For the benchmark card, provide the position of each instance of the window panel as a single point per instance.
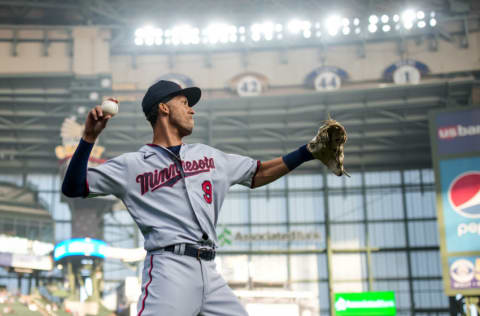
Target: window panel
(382, 177)
(235, 210)
(305, 181)
(268, 209)
(429, 294)
(305, 207)
(424, 233)
(385, 235)
(421, 205)
(347, 235)
(345, 207)
(389, 264)
(425, 263)
(384, 204)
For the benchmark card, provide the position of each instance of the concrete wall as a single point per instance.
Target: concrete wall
(448, 58)
(84, 51)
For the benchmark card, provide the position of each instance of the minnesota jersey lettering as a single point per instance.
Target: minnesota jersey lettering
(151, 181)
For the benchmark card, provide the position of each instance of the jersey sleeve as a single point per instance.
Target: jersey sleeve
(240, 169)
(107, 178)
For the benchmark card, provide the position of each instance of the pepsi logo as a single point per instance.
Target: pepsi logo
(464, 194)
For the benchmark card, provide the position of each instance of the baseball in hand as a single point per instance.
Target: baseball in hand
(110, 106)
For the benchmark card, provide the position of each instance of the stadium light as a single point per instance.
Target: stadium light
(296, 26)
(333, 24)
(408, 25)
(219, 32)
(147, 35)
(408, 18)
(185, 34)
(373, 19)
(265, 29)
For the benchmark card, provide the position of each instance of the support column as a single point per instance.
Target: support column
(328, 245)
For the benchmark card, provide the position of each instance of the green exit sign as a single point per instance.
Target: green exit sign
(365, 303)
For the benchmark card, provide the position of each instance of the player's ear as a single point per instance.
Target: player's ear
(163, 108)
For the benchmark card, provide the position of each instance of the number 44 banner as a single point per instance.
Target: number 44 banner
(326, 78)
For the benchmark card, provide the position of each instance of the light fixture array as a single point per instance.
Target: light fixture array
(335, 25)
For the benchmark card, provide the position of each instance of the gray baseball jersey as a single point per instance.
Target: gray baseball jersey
(172, 199)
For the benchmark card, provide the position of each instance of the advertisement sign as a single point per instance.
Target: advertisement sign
(365, 303)
(458, 132)
(464, 272)
(455, 137)
(460, 182)
(80, 247)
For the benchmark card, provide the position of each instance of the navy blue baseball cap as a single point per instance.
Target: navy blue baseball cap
(164, 90)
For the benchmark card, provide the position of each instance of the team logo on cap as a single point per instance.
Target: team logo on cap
(464, 194)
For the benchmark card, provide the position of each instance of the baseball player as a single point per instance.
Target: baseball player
(174, 192)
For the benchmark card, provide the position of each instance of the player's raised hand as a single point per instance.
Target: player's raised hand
(95, 123)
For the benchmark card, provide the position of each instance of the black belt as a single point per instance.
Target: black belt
(199, 253)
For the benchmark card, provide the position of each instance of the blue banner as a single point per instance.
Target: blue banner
(460, 184)
(458, 132)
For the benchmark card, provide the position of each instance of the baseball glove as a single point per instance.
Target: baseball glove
(327, 146)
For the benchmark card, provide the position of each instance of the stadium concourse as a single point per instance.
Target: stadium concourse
(398, 237)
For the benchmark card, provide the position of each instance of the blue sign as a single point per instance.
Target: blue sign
(326, 78)
(79, 247)
(464, 272)
(460, 184)
(458, 132)
(390, 70)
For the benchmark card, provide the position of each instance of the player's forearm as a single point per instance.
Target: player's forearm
(271, 170)
(75, 181)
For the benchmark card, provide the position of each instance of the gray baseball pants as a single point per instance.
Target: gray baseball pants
(179, 285)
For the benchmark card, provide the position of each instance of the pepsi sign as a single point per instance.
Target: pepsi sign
(464, 194)
(460, 184)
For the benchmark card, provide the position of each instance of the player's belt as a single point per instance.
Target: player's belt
(189, 250)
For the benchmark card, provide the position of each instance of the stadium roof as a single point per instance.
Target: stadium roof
(126, 12)
(387, 124)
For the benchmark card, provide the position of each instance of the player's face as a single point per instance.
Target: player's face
(181, 115)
